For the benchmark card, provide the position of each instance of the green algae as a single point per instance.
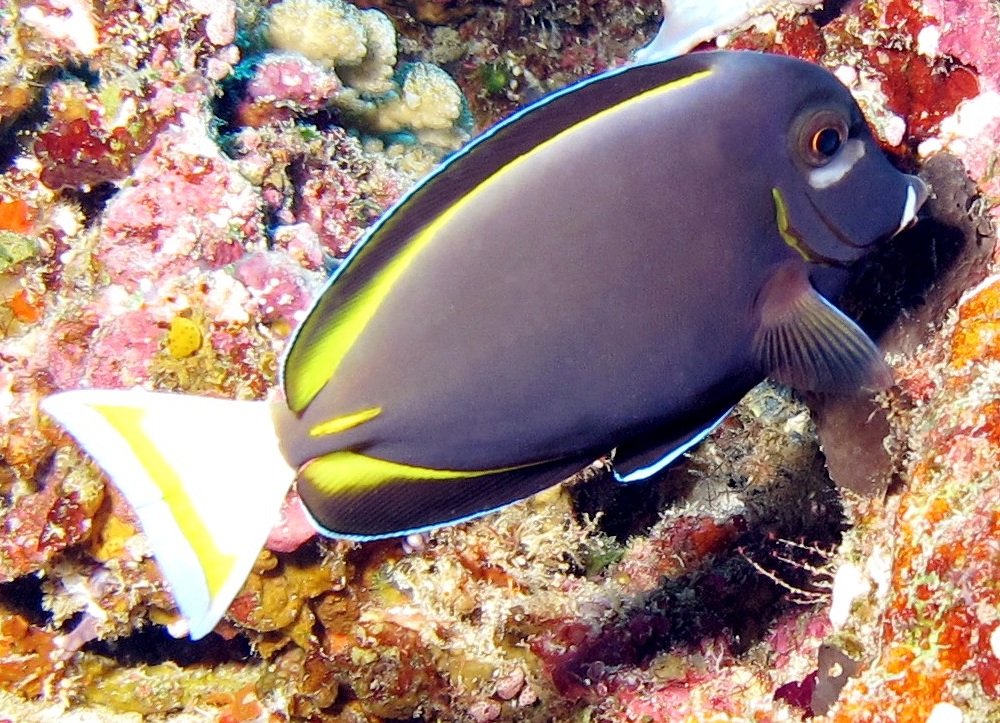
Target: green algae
(16, 248)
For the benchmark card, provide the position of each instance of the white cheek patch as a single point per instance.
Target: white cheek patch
(824, 177)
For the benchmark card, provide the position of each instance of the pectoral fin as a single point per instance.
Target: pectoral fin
(806, 342)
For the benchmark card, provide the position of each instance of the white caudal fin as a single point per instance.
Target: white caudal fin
(205, 477)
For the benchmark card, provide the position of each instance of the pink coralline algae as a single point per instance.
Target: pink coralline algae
(293, 528)
(326, 208)
(186, 208)
(299, 242)
(284, 86)
(967, 31)
(320, 187)
(277, 286)
(121, 349)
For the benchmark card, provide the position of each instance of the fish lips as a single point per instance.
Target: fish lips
(838, 238)
(916, 194)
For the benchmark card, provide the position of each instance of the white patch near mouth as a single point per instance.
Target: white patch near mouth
(825, 176)
(909, 209)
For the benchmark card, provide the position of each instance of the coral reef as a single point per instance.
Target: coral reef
(334, 58)
(428, 103)
(178, 178)
(330, 32)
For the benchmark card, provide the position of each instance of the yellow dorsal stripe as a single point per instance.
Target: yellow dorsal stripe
(127, 421)
(320, 361)
(342, 424)
(344, 472)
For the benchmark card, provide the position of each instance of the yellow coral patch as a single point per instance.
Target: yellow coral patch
(113, 539)
(184, 337)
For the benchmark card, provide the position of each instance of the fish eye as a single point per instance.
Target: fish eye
(826, 141)
(823, 134)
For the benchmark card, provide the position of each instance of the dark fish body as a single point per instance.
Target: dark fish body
(608, 271)
(600, 271)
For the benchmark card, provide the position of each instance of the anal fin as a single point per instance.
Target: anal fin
(641, 459)
(350, 494)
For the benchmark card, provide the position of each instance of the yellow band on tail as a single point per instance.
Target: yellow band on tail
(127, 421)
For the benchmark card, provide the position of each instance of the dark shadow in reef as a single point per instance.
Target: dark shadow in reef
(728, 597)
(23, 596)
(17, 126)
(831, 10)
(625, 510)
(154, 645)
(150, 646)
(93, 200)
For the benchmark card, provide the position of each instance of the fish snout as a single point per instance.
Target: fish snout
(917, 191)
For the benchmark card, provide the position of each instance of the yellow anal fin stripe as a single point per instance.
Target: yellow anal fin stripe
(349, 472)
(347, 421)
(127, 421)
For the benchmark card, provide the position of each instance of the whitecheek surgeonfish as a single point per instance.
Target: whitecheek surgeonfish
(612, 268)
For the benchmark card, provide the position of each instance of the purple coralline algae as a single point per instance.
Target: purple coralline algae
(186, 207)
(286, 86)
(179, 177)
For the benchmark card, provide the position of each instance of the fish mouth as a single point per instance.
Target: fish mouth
(917, 192)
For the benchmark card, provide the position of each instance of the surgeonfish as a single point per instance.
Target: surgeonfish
(607, 271)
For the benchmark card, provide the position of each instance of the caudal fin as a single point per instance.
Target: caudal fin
(205, 477)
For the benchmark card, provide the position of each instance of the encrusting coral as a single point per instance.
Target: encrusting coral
(178, 177)
(358, 47)
(428, 103)
(330, 32)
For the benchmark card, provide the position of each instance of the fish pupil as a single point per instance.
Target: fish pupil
(827, 141)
